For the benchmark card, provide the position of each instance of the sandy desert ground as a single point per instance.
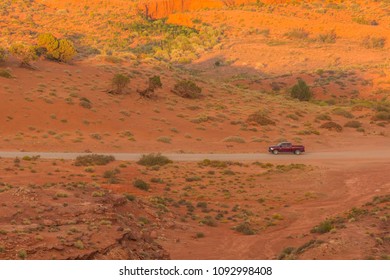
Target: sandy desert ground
(222, 196)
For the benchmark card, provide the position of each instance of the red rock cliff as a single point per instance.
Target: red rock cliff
(163, 8)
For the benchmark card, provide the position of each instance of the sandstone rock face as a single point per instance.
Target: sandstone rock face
(162, 8)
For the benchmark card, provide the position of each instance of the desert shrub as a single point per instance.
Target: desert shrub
(193, 179)
(154, 83)
(288, 253)
(187, 89)
(26, 54)
(56, 49)
(170, 42)
(301, 91)
(342, 112)
(245, 228)
(382, 116)
(3, 55)
(22, 254)
(323, 227)
(327, 38)
(353, 124)
(119, 83)
(48, 41)
(209, 221)
(213, 163)
(154, 159)
(164, 139)
(93, 159)
(5, 73)
(130, 197)
(142, 185)
(323, 117)
(111, 176)
(201, 204)
(261, 118)
(235, 139)
(332, 126)
(85, 103)
(374, 42)
(297, 33)
(362, 20)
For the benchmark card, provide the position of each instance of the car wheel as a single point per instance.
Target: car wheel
(297, 152)
(275, 152)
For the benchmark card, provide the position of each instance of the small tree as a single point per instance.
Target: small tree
(154, 83)
(119, 83)
(301, 91)
(187, 89)
(24, 53)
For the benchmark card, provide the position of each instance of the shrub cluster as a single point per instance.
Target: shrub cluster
(187, 89)
(301, 91)
(25, 53)
(119, 83)
(332, 126)
(170, 42)
(93, 159)
(153, 159)
(56, 49)
(142, 185)
(297, 33)
(327, 38)
(374, 42)
(261, 118)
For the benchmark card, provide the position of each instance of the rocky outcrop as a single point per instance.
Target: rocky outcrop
(163, 8)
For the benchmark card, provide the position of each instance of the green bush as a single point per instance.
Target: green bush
(297, 33)
(93, 159)
(261, 118)
(130, 197)
(342, 112)
(170, 42)
(142, 185)
(24, 53)
(235, 139)
(323, 227)
(154, 159)
(332, 126)
(327, 38)
(382, 116)
(111, 177)
(56, 49)
(119, 83)
(245, 228)
(155, 83)
(209, 221)
(301, 91)
(187, 89)
(5, 74)
(374, 42)
(353, 124)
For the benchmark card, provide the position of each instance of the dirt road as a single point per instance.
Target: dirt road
(344, 155)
